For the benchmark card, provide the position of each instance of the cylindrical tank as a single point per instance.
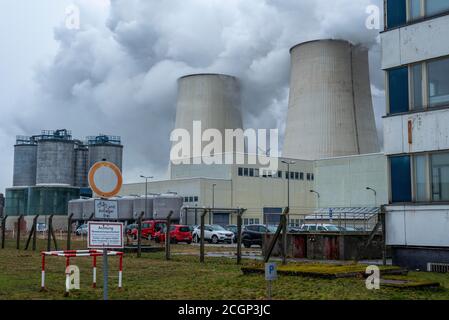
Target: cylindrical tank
(125, 207)
(330, 110)
(139, 207)
(212, 99)
(55, 162)
(81, 164)
(25, 159)
(163, 204)
(105, 148)
(76, 207)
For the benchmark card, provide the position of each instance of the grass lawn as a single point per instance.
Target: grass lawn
(151, 277)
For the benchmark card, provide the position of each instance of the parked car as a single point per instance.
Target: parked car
(347, 229)
(233, 229)
(320, 227)
(192, 227)
(294, 229)
(130, 227)
(81, 230)
(149, 228)
(178, 233)
(213, 234)
(253, 234)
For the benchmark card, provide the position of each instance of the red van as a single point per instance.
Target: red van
(178, 233)
(149, 228)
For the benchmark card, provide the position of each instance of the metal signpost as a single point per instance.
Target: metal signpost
(270, 276)
(105, 180)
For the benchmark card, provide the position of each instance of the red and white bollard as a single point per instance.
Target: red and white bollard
(43, 273)
(120, 271)
(94, 272)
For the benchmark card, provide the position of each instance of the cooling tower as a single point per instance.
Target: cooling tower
(213, 99)
(330, 110)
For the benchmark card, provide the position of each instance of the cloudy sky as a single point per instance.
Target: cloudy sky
(117, 73)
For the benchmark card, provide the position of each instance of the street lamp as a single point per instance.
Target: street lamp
(318, 196)
(375, 194)
(288, 163)
(146, 192)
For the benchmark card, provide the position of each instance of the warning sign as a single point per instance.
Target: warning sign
(107, 235)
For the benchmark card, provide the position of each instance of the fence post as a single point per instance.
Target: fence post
(19, 221)
(239, 235)
(202, 235)
(49, 233)
(275, 237)
(3, 231)
(139, 235)
(284, 238)
(32, 232)
(167, 237)
(69, 231)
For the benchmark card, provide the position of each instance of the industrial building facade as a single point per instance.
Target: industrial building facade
(415, 57)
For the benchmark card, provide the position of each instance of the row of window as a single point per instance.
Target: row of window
(191, 199)
(401, 12)
(249, 221)
(419, 86)
(420, 177)
(254, 172)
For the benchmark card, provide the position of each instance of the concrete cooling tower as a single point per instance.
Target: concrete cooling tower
(330, 111)
(213, 99)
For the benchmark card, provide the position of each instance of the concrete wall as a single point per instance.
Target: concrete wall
(330, 109)
(418, 225)
(430, 131)
(342, 182)
(417, 42)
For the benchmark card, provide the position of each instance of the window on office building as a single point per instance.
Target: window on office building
(241, 172)
(396, 13)
(292, 175)
(309, 177)
(438, 82)
(400, 173)
(420, 163)
(440, 176)
(251, 172)
(256, 172)
(280, 174)
(434, 7)
(195, 199)
(190, 199)
(296, 175)
(186, 199)
(245, 172)
(286, 175)
(301, 176)
(398, 90)
(417, 84)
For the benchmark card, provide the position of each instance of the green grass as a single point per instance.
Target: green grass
(151, 277)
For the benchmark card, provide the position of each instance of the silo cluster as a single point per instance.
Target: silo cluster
(55, 158)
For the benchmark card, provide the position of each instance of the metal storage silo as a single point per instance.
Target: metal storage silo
(163, 204)
(81, 164)
(213, 99)
(55, 158)
(139, 207)
(76, 207)
(105, 148)
(25, 161)
(330, 110)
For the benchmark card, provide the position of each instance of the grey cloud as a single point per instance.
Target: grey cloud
(117, 74)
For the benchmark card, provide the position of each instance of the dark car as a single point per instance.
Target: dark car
(233, 229)
(253, 234)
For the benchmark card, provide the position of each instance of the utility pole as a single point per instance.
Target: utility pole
(146, 193)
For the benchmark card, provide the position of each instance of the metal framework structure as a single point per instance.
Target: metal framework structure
(103, 139)
(67, 254)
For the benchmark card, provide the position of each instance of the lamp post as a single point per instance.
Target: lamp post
(375, 194)
(318, 202)
(288, 163)
(146, 192)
